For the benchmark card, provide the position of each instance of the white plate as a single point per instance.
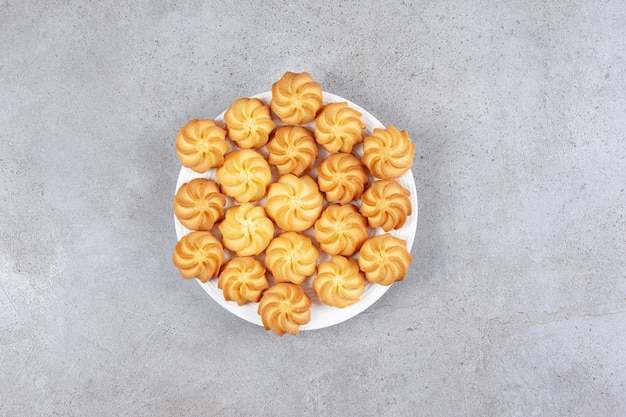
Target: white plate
(321, 314)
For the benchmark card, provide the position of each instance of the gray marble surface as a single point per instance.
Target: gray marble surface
(515, 304)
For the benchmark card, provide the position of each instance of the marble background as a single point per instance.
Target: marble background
(515, 303)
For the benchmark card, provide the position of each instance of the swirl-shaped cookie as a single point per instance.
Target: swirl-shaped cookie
(198, 255)
(338, 127)
(246, 229)
(201, 145)
(296, 98)
(292, 149)
(339, 283)
(249, 123)
(294, 203)
(198, 204)
(291, 257)
(284, 308)
(243, 280)
(386, 204)
(384, 259)
(388, 153)
(244, 176)
(342, 177)
(341, 230)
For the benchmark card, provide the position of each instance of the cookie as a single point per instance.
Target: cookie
(340, 230)
(292, 149)
(284, 308)
(201, 145)
(342, 177)
(384, 259)
(296, 98)
(294, 203)
(243, 280)
(198, 255)
(339, 282)
(198, 204)
(249, 123)
(246, 230)
(386, 204)
(388, 153)
(291, 257)
(338, 127)
(244, 176)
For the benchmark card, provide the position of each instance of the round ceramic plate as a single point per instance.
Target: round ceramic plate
(321, 314)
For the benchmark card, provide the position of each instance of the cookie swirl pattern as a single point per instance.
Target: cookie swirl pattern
(384, 259)
(296, 98)
(243, 280)
(338, 128)
(198, 204)
(249, 123)
(244, 176)
(294, 203)
(342, 177)
(341, 230)
(339, 283)
(201, 145)
(388, 153)
(198, 255)
(284, 308)
(386, 204)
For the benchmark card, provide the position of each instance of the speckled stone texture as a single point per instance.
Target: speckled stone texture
(515, 304)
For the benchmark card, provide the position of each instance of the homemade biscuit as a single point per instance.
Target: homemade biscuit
(388, 153)
(244, 176)
(296, 98)
(284, 308)
(291, 257)
(243, 280)
(342, 177)
(198, 204)
(338, 127)
(294, 203)
(386, 204)
(339, 283)
(201, 145)
(384, 259)
(198, 255)
(292, 149)
(246, 229)
(249, 123)
(341, 230)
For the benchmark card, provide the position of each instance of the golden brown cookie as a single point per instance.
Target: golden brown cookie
(284, 308)
(339, 283)
(296, 98)
(384, 259)
(294, 203)
(201, 145)
(198, 204)
(342, 177)
(388, 153)
(386, 204)
(341, 230)
(292, 149)
(291, 257)
(246, 229)
(243, 280)
(338, 127)
(198, 255)
(249, 123)
(244, 176)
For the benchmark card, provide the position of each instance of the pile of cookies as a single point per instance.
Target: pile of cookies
(286, 196)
